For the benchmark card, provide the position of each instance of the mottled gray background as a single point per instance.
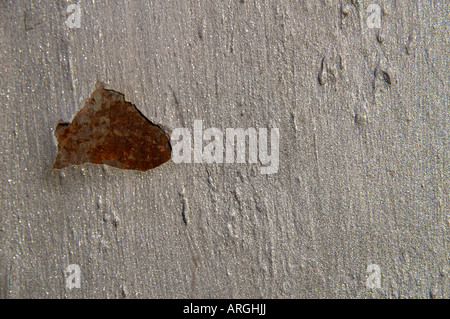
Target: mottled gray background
(363, 175)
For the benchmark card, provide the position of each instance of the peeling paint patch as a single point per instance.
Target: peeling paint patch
(108, 130)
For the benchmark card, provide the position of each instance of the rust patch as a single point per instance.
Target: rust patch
(109, 130)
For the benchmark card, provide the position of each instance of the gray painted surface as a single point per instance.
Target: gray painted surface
(363, 175)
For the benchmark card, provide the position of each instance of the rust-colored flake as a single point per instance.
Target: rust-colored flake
(109, 130)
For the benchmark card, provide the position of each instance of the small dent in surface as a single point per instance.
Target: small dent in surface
(331, 69)
(32, 18)
(382, 80)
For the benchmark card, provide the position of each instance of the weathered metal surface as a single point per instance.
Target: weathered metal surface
(363, 175)
(109, 130)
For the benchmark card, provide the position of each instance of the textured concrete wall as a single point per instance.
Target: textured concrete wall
(363, 176)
